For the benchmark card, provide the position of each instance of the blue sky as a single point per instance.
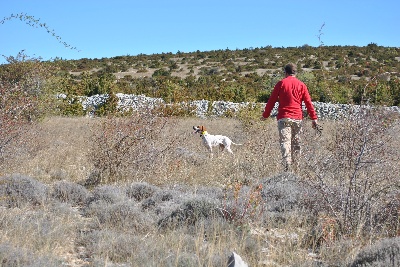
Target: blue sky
(121, 27)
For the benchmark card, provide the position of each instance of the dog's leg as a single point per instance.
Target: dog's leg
(209, 148)
(221, 147)
(228, 148)
(227, 144)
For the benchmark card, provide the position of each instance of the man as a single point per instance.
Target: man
(290, 92)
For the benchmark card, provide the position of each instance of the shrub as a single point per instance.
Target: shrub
(140, 191)
(387, 219)
(384, 253)
(122, 215)
(243, 202)
(211, 192)
(284, 193)
(163, 195)
(107, 194)
(161, 72)
(148, 203)
(123, 146)
(18, 190)
(354, 171)
(21, 86)
(190, 212)
(69, 192)
(109, 107)
(69, 105)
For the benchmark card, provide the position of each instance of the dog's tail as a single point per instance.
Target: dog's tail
(233, 143)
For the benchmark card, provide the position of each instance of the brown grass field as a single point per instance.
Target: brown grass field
(143, 191)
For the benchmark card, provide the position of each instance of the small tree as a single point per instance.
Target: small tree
(22, 84)
(123, 146)
(356, 172)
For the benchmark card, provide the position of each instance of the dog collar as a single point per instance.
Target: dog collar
(203, 132)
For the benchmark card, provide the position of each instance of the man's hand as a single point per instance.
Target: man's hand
(314, 124)
(318, 128)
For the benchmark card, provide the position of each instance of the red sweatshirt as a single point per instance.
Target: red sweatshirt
(290, 92)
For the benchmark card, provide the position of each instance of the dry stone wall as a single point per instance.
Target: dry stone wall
(205, 108)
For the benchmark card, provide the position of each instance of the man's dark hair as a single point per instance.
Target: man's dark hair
(290, 68)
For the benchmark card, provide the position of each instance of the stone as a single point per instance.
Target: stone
(235, 260)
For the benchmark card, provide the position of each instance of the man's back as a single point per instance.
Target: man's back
(290, 92)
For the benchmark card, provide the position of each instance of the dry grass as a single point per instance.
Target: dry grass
(56, 150)
(60, 148)
(179, 207)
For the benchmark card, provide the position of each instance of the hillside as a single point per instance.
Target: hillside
(357, 62)
(339, 74)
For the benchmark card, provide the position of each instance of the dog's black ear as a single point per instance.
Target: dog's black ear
(194, 128)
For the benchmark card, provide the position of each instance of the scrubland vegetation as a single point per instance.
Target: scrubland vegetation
(139, 189)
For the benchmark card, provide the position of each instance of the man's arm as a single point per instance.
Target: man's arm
(310, 107)
(271, 102)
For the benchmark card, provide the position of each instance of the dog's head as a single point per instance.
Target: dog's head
(199, 129)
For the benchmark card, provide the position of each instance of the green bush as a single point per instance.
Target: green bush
(69, 106)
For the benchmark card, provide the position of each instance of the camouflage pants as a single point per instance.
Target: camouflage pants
(289, 139)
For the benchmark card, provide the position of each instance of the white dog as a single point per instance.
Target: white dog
(210, 140)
